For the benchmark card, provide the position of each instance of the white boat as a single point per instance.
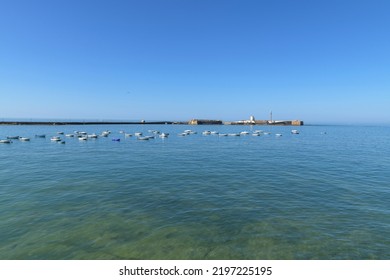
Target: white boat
(234, 134)
(83, 138)
(143, 138)
(24, 139)
(244, 132)
(189, 131)
(206, 132)
(94, 136)
(138, 134)
(266, 133)
(164, 135)
(214, 132)
(69, 135)
(6, 141)
(255, 134)
(258, 131)
(128, 135)
(222, 134)
(55, 138)
(183, 134)
(294, 131)
(278, 134)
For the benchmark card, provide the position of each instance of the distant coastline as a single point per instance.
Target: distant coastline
(143, 122)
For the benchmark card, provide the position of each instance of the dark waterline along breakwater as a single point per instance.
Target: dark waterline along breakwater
(83, 122)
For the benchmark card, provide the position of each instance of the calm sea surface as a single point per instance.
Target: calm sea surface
(306, 196)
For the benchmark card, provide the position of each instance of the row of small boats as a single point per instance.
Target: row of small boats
(254, 133)
(10, 138)
(84, 136)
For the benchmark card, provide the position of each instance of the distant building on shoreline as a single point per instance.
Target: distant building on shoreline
(253, 121)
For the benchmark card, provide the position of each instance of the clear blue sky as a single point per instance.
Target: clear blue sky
(319, 61)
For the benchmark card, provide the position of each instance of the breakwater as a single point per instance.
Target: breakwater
(83, 122)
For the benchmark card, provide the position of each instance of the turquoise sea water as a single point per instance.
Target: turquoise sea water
(306, 196)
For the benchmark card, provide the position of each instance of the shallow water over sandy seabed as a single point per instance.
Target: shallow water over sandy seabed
(305, 196)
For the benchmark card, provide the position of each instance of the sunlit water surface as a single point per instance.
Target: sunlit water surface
(306, 196)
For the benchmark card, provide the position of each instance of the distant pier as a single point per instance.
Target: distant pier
(83, 122)
(265, 122)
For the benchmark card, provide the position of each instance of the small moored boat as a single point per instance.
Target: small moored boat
(94, 136)
(5, 141)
